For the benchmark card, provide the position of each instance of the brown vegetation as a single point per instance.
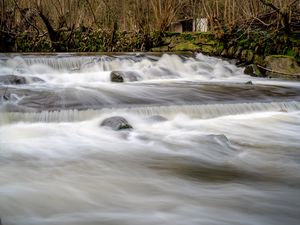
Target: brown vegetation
(61, 20)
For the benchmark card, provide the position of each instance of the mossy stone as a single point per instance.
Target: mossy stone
(231, 51)
(224, 53)
(238, 52)
(186, 46)
(281, 65)
(259, 60)
(219, 49)
(250, 56)
(253, 71)
(244, 55)
(208, 49)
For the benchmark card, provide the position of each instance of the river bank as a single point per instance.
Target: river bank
(268, 54)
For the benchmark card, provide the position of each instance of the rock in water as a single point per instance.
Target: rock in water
(116, 123)
(157, 118)
(122, 76)
(249, 70)
(34, 80)
(12, 79)
(15, 80)
(116, 76)
(253, 71)
(249, 82)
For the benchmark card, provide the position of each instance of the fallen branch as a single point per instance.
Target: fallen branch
(274, 71)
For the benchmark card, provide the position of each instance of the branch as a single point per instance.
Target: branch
(270, 4)
(35, 27)
(92, 11)
(274, 71)
(265, 24)
(292, 3)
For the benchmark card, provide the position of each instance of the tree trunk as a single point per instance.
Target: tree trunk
(54, 36)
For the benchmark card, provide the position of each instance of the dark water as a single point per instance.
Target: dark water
(226, 152)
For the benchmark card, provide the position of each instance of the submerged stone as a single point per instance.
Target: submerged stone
(157, 118)
(12, 79)
(116, 123)
(122, 76)
(17, 80)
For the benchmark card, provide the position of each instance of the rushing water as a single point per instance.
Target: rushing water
(205, 148)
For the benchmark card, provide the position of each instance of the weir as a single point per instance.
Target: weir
(195, 111)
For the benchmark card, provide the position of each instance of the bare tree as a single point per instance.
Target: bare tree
(164, 12)
(284, 12)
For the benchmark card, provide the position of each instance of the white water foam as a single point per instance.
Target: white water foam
(206, 164)
(88, 69)
(197, 111)
(224, 170)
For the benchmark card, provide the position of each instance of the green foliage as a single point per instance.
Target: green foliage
(25, 43)
(289, 52)
(188, 37)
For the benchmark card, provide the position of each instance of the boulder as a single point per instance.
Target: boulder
(249, 70)
(238, 52)
(116, 123)
(250, 56)
(116, 76)
(12, 79)
(282, 66)
(253, 71)
(249, 82)
(16, 80)
(244, 55)
(231, 51)
(123, 76)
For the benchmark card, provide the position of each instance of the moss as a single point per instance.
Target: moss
(282, 65)
(281, 56)
(208, 49)
(250, 56)
(289, 52)
(171, 34)
(258, 60)
(244, 55)
(188, 37)
(160, 49)
(219, 49)
(186, 46)
(244, 43)
(205, 35)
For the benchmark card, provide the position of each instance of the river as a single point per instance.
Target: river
(207, 146)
